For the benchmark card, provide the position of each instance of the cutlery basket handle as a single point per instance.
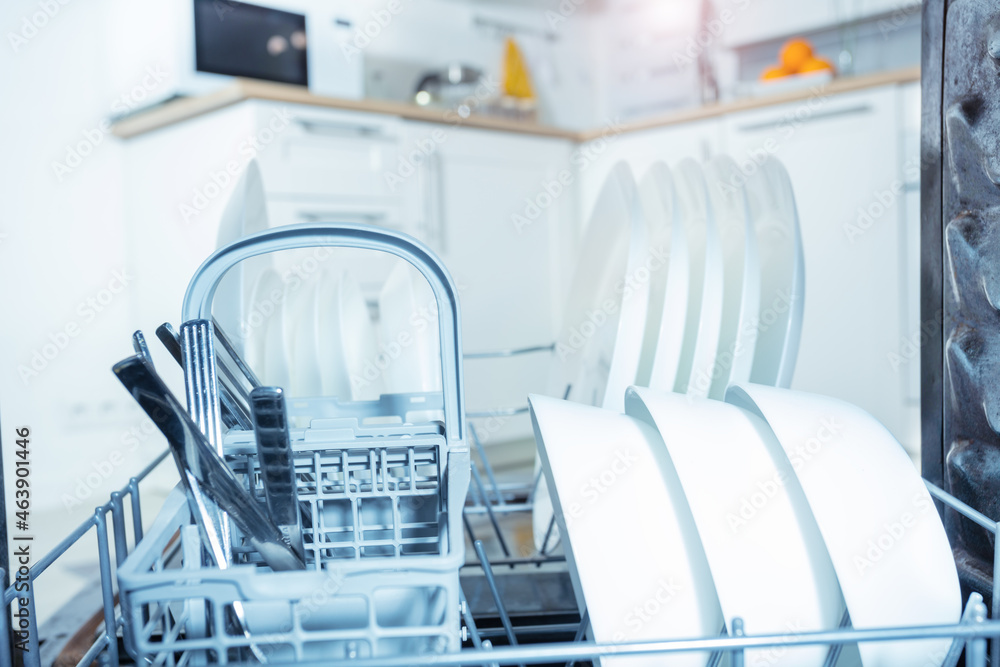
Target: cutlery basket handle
(201, 290)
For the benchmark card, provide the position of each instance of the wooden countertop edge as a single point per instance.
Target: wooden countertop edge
(832, 87)
(247, 89)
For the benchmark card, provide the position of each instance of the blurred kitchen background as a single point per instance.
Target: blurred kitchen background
(483, 127)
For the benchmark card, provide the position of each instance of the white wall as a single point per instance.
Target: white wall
(63, 244)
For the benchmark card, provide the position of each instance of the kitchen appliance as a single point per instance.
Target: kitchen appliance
(200, 46)
(240, 39)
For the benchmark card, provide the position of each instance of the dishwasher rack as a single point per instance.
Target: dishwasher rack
(562, 637)
(495, 625)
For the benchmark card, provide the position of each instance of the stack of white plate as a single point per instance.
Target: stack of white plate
(778, 507)
(689, 281)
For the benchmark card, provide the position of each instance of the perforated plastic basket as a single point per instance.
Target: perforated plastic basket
(382, 499)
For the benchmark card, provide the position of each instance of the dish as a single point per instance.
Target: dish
(884, 535)
(266, 317)
(600, 342)
(668, 289)
(764, 549)
(604, 467)
(779, 242)
(741, 273)
(598, 349)
(253, 326)
(245, 213)
(704, 311)
(348, 355)
(335, 379)
(299, 315)
(409, 331)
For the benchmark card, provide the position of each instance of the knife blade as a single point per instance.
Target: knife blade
(209, 473)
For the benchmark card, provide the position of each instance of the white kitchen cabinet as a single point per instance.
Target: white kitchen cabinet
(760, 20)
(671, 144)
(500, 226)
(460, 190)
(845, 158)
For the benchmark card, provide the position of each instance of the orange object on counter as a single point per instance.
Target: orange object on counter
(797, 57)
(816, 65)
(795, 53)
(772, 73)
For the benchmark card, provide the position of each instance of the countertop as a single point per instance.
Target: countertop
(248, 89)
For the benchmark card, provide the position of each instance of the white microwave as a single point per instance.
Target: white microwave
(198, 46)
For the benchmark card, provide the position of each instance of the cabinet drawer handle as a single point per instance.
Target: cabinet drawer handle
(340, 129)
(369, 217)
(833, 113)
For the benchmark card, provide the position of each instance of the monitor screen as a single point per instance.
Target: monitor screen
(237, 39)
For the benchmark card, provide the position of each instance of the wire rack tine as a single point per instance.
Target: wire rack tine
(492, 583)
(474, 432)
(489, 510)
(581, 631)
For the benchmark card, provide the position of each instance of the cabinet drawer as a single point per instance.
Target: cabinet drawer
(304, 151)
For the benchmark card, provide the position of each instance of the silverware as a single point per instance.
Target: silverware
(233, 414)
(277, 463)
(203, 470)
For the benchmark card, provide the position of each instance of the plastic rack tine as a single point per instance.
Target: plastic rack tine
(107, 584)
(489, 510)
(737, 656)
(581, 631)
(833, 655)
(486, 464)
(492, 583)
(975, 649)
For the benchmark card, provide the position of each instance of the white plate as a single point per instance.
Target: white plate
(348, 352)
(765, 551)
(253, 328)
(335, 378)
(269, 302)
(779, 241)
(621, 508)
(741, 272)
(704, 313)
(600, 342)
(408, 328)
(879, 523)
(300, 339)
(245, 213)
(668, 289)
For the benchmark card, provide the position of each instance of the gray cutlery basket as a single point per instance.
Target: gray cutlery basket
(381, 499)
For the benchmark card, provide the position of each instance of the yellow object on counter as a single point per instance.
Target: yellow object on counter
(516, 81)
